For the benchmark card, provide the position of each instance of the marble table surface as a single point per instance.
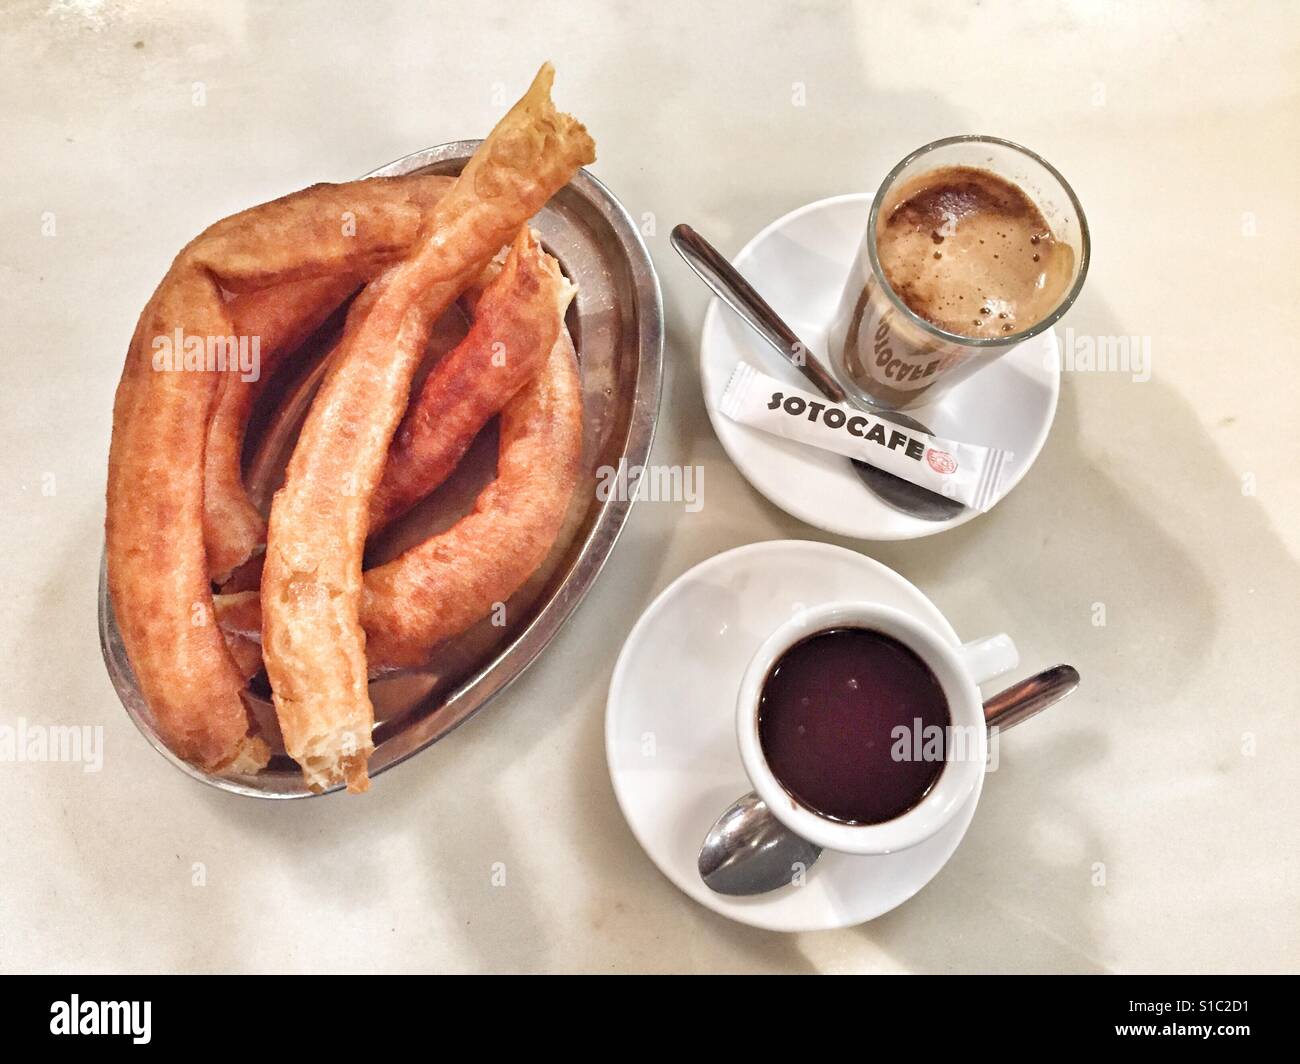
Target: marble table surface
(1148, 825)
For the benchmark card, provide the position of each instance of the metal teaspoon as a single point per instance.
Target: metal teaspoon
(737, 293)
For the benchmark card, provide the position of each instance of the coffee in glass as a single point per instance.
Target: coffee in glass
(973, 245)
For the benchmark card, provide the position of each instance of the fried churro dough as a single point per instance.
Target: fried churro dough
(448, 583)
(157, 565)
(156, 570)
(312, 638)
(259, 247)
(451, 581)
(281, 317)
(239, 614)
(518, 311)
(515, 325)
(512, 334)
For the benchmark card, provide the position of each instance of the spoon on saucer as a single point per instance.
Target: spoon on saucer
(748, 851)
(729, 286)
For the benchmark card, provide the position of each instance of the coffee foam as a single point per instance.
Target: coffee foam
(970, 252)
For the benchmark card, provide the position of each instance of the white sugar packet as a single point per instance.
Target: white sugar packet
(966, 472)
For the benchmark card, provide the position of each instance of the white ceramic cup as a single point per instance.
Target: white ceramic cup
(959, 669)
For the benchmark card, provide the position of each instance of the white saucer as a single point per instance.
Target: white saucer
(670, 734)
(798, 264)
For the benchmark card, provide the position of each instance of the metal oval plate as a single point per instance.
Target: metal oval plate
(617, 328)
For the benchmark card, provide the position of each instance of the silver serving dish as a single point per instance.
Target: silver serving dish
(617, 328)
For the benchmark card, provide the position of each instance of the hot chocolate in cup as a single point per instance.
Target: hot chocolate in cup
(862, 729)
(973, 245)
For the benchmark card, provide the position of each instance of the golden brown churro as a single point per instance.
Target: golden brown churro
(178, 515)
(313, 642)
(280, 318)
(157, 566)
(515, 325)
(451, 581)
(520, 306)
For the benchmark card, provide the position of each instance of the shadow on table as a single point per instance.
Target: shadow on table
(1026, 890)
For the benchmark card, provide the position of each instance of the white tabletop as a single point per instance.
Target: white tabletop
(1148, 824)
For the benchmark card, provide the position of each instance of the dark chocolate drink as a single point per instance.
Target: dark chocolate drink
(853, 725)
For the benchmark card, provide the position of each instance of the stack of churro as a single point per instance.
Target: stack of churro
(180, 521)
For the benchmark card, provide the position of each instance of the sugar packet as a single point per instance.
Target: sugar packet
(966, 472)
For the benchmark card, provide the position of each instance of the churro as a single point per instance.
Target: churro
(514, 327)
(157, 570)
(443, 586)
(313, 642)
(280, 318)
(157, 564)
(179, 517)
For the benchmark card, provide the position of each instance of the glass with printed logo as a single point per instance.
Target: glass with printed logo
(973, 245)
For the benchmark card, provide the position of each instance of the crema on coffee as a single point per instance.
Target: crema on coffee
(970, 254)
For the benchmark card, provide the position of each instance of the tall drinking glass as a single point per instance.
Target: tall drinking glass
(900, 344)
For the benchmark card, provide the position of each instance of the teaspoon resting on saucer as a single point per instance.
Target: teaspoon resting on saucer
(731, 287)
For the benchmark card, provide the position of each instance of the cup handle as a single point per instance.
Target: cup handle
(985, 658)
